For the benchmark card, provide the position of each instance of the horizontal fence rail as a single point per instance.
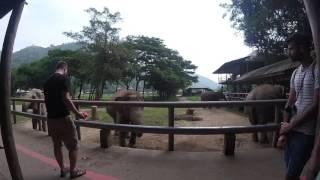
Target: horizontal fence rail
(228, 131)
(198, 104)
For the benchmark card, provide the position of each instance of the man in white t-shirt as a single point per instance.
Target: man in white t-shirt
(302, 102)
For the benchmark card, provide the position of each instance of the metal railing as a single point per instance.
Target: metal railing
(228, 131)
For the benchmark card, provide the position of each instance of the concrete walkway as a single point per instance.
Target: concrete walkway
(37, 162)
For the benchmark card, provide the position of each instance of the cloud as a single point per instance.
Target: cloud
(194, 28)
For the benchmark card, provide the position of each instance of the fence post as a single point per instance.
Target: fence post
(171, 124)
(104, 138)
(94, 112)
(14, 109)
(77, 126)
(277, 121)
(229, 144)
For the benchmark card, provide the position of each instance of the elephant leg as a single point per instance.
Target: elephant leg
(264, 138)
(255, 137)
(122, 138)
(44, 125)
(253, 120)
(34, 124)
(39, 124)
(132, 140)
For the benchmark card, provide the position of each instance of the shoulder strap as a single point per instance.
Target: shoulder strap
(313, 69)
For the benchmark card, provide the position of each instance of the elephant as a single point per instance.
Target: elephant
(37, 108)
(213, 96)
(122, 114)
(259, 115)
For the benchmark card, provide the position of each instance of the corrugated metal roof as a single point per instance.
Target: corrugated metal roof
(7, 5)
(275, 69)
(231, 67)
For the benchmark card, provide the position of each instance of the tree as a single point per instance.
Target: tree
(101, 38)
(267, 23)
(158, 66)
(34, 75)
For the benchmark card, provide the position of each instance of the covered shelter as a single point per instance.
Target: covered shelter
(276, 73)
(16, 8)
(231, 70)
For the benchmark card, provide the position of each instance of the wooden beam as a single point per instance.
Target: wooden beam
(174, 104)
(5, 88)
(313, 12)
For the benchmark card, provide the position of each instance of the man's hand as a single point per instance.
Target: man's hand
(285, 128)
(82, 115)
(286, 116)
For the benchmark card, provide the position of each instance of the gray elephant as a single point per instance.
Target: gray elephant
(37, 108)
(263, 114)
(126, 115)
(213, 96)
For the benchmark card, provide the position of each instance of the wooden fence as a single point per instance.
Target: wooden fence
(228, 131)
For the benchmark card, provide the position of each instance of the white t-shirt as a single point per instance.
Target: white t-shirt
(305, 80)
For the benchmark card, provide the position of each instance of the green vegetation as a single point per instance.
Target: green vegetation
(193, 98)
(22, 119)
(105, 60)
(267, 24)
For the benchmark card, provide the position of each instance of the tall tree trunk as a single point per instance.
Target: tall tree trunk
(5, 84)
(99, 90)
(137, 83)
(144, 84)
(117, 85)
(80, 90)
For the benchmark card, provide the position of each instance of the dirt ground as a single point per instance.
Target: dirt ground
(211, 118)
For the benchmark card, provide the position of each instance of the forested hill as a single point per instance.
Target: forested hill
(204, 82)
(33, 53)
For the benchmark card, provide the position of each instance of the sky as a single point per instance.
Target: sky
(195, 28)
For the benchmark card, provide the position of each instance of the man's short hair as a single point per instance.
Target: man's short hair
(300, 39)
(61, 65)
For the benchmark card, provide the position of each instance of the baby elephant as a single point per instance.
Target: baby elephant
(123, 114)
(37, 108)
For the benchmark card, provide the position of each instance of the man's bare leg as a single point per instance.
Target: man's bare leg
(59, 156)
(73, 156)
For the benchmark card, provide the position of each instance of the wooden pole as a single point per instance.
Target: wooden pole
(5, 89)
(313, 11)
(78, 127)
(171, 124)
(229, 144)
(14, 108)
(277, 120)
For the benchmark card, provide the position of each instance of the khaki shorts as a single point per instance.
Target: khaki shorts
(63, 130)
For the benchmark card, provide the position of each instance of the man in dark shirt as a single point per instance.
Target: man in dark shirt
(60, 126)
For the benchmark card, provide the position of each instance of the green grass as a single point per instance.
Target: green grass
(21, 119)
(152, 116)
(193, 98)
